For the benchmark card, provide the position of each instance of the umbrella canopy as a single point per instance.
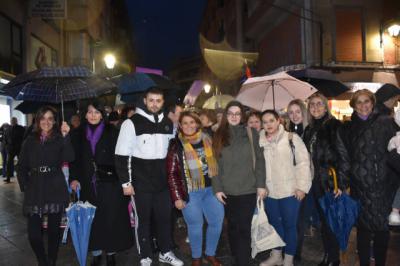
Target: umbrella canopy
(140, 82)
(273, 91)
(80, 217)
(341, 213)
(217, 101)
(324, 81)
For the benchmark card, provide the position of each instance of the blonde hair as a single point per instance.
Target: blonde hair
(324, 101)
(303, 109)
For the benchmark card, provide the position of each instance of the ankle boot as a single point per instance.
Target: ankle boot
(196, 262)
(274, 259)
(324, 261)
(110, 259)
(213, 261)
(96, 261)
(288, 260)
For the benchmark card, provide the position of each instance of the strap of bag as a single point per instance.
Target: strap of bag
(253, 154)
(292, 147)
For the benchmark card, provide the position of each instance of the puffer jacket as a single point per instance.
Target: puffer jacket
(362, 146)
(283, 177)
(320, 140)
(175, 171)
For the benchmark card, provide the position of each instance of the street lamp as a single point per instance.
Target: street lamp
(109, 60)
(394, 30)
(207, 88)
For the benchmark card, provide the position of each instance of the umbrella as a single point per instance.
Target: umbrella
(273, 91)
(140, 82)
(57, 84)
(80, 217)
(341, 213)
(324, 81)
(217, 101)
(29, 107)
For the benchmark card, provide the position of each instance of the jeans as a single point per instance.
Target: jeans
(239, 213)
(304, 221)
(283, 215)
(203, 202)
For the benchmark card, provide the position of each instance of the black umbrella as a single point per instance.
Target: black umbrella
(57, 84)
(324, 81)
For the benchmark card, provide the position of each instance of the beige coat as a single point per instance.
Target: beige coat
(283, 178)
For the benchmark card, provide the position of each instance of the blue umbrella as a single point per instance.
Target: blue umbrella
(140, 82)
(80, 217)
(341, 213)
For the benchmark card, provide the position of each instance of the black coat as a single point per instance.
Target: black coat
(111, 230)
(320, 140)
(40, 175)
(362, 146)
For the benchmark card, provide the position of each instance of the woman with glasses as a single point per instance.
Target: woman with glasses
(363, 158)
(241, 177)
(41, 178)
(191, 166)
(320, 139)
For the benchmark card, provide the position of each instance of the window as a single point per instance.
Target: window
(349, 39)
(10, 46)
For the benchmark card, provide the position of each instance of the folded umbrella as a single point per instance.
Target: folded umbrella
(341, 213)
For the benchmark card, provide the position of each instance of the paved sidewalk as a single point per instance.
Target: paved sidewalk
(15, 248)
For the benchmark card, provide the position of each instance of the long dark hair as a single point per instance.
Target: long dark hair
(39, 115)
(222, 136)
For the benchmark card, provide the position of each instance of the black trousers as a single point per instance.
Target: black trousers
(35, 236)
(239, 213)
(10, 164)
(380, 246)
(159, 206)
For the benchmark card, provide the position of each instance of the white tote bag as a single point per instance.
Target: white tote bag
(263, 235)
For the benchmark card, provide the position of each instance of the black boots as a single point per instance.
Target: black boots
(326, 262)
(96, 261)
(110, 259)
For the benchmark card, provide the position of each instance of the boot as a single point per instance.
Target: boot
(96, 261)
(110, 259)
(274, 259)
(288, 260)
(212, 260)
(324, 261)
(196, 262)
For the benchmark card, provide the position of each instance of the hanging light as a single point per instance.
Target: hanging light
(109, 60)
(207, 88)
(394, 30)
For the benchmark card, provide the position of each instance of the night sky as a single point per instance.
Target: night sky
(165, 30)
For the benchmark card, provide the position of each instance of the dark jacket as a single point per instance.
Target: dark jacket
(14, 138)
(175, 171)
(320, 140)
(236, 175)
(40, 175)
(111, 226)
(362, 147)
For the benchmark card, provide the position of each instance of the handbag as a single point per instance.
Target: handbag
(263, 234)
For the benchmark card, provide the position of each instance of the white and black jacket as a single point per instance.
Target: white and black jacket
(141, 151)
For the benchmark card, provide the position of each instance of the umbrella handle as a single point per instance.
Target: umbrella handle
(332, 172)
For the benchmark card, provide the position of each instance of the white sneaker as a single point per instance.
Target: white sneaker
(394, 218)
(145, 262)
(170, 258)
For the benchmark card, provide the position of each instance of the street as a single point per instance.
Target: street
(16, 251)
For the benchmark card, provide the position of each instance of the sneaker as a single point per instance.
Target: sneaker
(170, 258)
(145, 262)
(394, 218)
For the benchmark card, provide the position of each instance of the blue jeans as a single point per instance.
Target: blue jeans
(283, 215)
(203, 202)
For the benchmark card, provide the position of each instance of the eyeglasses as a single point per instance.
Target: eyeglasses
(317, 105)
(363, 102)
(233, 114)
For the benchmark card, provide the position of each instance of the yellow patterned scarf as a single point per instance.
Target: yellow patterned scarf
(192, 160)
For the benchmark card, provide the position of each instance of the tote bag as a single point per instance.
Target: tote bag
(263, 235)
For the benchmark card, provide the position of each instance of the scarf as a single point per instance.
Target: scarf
(93, 136)
(192, 160)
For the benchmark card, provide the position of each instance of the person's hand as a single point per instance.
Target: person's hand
(262, 193)
(129, 191)
(74, 185)
(221, 196)
(299, 195)
(64, 128)
(180, 204)
(338, 193)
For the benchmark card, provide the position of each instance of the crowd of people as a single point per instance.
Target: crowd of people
(210, 166)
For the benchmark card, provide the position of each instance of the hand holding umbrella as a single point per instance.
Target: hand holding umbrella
(65, 128)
